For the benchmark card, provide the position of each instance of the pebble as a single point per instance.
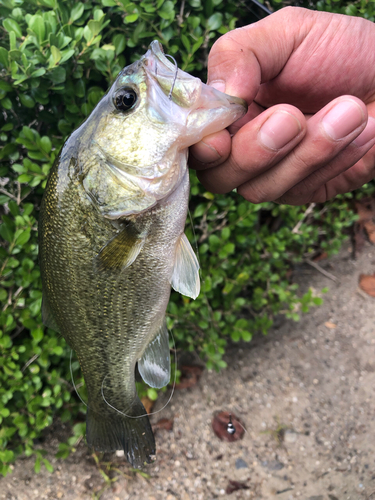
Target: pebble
(273, 465)
(241, 464)
(290, 436)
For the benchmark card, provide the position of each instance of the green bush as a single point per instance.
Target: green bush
(57, 58)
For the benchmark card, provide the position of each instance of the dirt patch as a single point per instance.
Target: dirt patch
(305, 394)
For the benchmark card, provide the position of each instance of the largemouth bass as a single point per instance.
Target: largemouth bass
(112, 238)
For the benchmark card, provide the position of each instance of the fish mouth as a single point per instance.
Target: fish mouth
(157, 50)
(201, 109)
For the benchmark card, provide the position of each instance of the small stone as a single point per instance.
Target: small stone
(241, 464)
(273, 465)
(319, 497)
(290, 436)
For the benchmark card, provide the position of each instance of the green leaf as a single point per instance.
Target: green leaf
(66, 54)
(12, 26)
(132, 18)
(215, 21)
(37, 334)
(6, 103)
(119, 41)
(48, 465)
(27, 100)
(4, 412)
(76, 12)
(7, 87)
(58, 75)
(28, 133)
(186, 42)
(36, 23)
(23, 237)
(55, 56)
(4, 57)
(46, 144)
(38, 72)
(6, 233)
(152, 394)
(94, 27)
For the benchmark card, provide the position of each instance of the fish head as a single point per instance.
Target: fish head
(152, 113)
(153, 93)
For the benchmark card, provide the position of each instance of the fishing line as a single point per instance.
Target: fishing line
(71, 374)
(154, 412)
(175, 76)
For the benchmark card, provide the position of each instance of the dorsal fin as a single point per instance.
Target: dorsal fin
(155, 364)
(122, 250)
(185, 278)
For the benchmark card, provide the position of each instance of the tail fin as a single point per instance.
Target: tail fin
(114, 431)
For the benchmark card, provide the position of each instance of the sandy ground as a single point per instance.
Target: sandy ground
(305, 393)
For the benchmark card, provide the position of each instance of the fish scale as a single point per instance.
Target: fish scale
(112, 243)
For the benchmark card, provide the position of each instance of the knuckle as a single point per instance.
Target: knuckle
(253, 194)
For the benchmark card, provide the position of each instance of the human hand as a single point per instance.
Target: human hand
(309, 134)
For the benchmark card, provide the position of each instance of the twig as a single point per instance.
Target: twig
(8, 194)
(31, 360)
(308, 211)
(180, 17)
(18, 193)
(321, 270)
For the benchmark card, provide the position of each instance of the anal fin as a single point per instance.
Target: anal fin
(185, 278)
(155, 364)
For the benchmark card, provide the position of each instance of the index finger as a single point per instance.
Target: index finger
(244, 58)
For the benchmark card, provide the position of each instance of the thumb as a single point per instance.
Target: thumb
(244, 58)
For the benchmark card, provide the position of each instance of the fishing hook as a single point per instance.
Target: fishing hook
(175, 76)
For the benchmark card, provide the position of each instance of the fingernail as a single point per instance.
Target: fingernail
(204, 153)
(218, 85)
(367, 135)
(279, 129)
(342, 119)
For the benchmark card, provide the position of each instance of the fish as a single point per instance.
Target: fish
(112, 242)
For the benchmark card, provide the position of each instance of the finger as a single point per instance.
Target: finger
(212, 150)
(256, 147)
(329, 132)
(358, 161)
(215, 148)
(355, 177)
(244, 58)
(294, 56)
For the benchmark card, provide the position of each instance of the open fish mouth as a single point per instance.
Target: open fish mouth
(201, 109)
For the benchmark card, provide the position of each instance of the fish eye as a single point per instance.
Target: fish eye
(125, 99)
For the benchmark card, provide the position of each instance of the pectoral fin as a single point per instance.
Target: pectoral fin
(47, 316)
(155, 364)
(122, 250)
(185, 278)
